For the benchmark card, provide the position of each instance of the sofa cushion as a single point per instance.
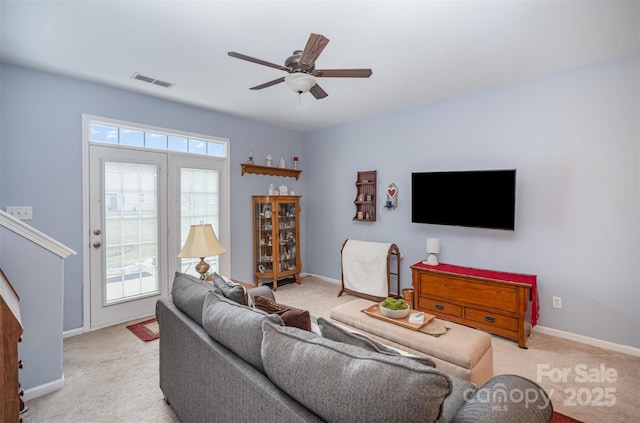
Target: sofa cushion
(188, 294)
(525, 401)
(291, 316)
(230, 290)
(341, 382)
(334, 332)
(237, 327)
(262, 290)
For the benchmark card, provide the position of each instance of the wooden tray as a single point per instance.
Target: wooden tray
(374, 311)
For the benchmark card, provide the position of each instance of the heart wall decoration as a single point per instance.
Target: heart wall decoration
(392, 197)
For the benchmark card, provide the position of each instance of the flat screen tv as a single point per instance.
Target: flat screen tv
(474, 198)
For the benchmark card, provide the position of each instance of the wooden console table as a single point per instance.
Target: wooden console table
(492, 301)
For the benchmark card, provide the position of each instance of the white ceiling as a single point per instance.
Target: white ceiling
(420, 51)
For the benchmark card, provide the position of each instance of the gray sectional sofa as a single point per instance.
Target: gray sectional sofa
(221, 361)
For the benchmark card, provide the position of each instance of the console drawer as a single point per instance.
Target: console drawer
(481, 293)
(491, 319)
(439, 307)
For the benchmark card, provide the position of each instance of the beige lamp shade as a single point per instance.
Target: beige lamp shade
(201, 242)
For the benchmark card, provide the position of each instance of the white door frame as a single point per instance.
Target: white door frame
(224, 216)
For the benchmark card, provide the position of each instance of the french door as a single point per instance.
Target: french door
(128, 233)
(142, 204)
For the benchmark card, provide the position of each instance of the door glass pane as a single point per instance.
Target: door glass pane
(130, 230)
(131, 137)
(178, 144)
(153, 140)
(199, 195)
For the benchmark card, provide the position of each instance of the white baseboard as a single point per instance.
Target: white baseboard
(330, 280)
(45, 389)
(625, 349)
(72, 332)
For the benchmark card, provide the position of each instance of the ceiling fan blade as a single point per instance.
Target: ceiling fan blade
(318, 92)
(342, 73)
(258, 61)
(268, 84)
(312, 50)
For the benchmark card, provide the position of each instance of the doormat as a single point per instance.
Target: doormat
(146, 331)
(561, 418)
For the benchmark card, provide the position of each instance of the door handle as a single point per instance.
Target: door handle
(97, 245)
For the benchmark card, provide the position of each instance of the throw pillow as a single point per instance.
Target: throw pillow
(339, 334)
(291, 316)
(237, 327)
(341, 382)
(230, 290)
(188, 294)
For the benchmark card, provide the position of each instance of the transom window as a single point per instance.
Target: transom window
(157, 140)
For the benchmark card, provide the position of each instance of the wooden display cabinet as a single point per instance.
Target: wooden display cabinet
(365, 201)
(276, 232)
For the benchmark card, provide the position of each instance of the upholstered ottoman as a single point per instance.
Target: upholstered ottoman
(462, 351)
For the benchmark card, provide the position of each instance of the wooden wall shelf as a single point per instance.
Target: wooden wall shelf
(269, 170)
(366, 194)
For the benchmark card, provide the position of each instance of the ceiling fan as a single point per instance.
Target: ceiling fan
(301, 70)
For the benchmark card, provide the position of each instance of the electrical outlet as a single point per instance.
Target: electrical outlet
(557, 302)
(22, 213)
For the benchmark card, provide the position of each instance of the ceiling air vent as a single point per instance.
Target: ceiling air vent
(151, 80)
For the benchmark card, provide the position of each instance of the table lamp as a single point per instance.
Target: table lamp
(201, 242)
(433, 248)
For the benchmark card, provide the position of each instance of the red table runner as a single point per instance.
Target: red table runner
(493, 274)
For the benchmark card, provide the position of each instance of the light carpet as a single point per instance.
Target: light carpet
(110, 376)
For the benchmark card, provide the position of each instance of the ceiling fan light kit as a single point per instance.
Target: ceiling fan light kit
(300, 82)
(301, 68)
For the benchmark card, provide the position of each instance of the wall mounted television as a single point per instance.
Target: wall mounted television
(473, 198)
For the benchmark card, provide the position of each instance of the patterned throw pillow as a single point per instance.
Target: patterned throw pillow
(230, 290)
(291, 316)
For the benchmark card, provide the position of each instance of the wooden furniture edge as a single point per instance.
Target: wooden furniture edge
(269, 170)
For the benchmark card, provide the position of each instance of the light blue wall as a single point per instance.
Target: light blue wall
(41, 159)
(41, 346)
(573, 138)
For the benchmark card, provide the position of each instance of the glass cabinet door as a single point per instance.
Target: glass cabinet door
(264, 233)
(287, 223)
